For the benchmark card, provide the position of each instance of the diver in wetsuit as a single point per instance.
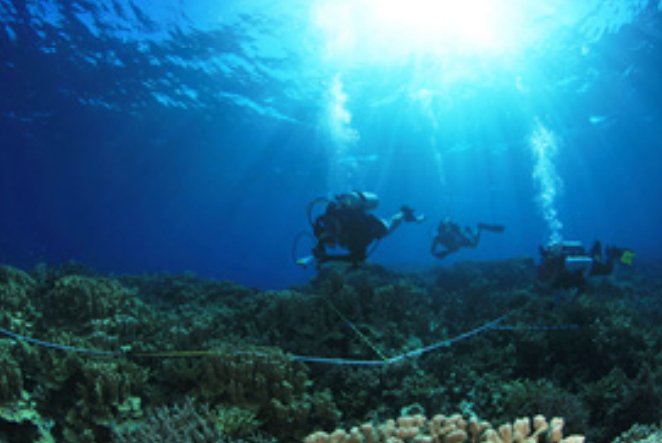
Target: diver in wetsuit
(452, 237)
(567, 265)
(348, 224)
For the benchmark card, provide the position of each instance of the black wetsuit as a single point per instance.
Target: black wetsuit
(452, 237)
(349, 228)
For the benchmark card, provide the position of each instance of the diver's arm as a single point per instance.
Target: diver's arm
(433, 246)
(405, 214)
(473, 237)
(394, 222)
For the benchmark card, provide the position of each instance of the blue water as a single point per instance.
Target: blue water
(190, 136)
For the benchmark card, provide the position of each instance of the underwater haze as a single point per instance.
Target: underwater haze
(143, 136)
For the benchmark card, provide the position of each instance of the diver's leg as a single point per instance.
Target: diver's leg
(442, 254)
(476, 238)
(469, 238)
(491, 227)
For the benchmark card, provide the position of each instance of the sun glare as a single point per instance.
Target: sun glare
(435, 23)
(397, 28)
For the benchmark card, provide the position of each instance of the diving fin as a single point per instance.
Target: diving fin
(627, 257)
(304, 262)
(491, 227)
(624, 255)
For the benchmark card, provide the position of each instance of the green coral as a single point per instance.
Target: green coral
(105, 391)
(236, 421)
(77, 299)
(591, 372)
(639, 433)
(11, 375)
(618, 400)
(20, 421)
(187, 422)
(17, 290)
(263, 381)
(542, 397)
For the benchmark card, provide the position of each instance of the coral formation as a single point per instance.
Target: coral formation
(449, 429)
(237, 421)
(260, 380)
(17, 290)
(641, 434)
(11, 376)
(21, 422)
(77, 299)
(106, 391)
(184, 423)
(121, 347)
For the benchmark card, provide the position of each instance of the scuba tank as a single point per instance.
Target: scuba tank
(574, 256)
(572, 247)
(364, 201)
(491, 227)
(578, 263)
(325, 223)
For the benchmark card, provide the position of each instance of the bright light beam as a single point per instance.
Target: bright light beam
(397, 28)
(445, 24)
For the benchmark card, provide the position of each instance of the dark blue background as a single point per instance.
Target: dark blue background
(95, 166)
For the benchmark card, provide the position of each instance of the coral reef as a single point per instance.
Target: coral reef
(11, 376)
(79, 299)
(190, 422)
(116, 353)
(451, 429)
(17, 292)
(641, 434)
(21, 422)
(185, 423)
(260, 380)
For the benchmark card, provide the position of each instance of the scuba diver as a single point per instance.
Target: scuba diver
(568, 265)
(347, 223)
(452, 237)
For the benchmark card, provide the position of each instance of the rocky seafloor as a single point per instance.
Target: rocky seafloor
(176, 358)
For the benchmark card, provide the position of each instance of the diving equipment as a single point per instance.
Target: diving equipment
(365, 201)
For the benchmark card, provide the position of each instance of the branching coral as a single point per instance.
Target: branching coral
(263, 381)
(185, 423)
(453, 429)
(88, 395)
(541, 396)
(237, 422)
